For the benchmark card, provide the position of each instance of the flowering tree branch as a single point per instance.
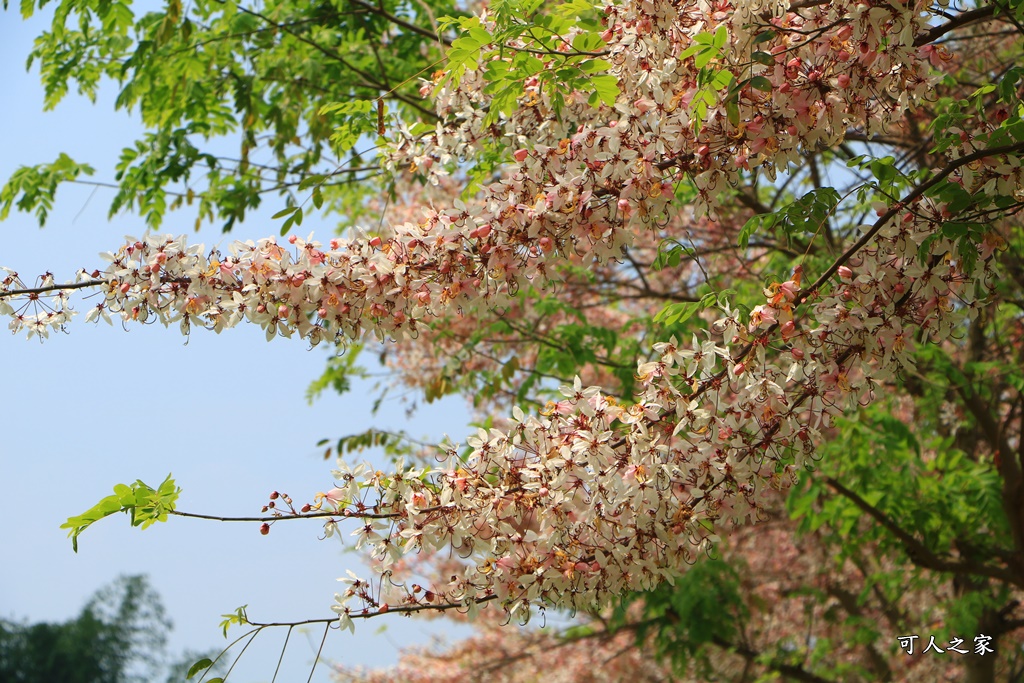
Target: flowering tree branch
(599, 494)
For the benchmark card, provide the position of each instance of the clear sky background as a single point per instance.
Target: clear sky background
(225, 413)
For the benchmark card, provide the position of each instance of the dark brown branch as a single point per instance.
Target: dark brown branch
(344, 62)
(792, 671)
(918, 553)
(960, 20)
(398, 21)
(1007, 464)
(52, 288)
(408, 609)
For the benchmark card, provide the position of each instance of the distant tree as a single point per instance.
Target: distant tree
(119, 637)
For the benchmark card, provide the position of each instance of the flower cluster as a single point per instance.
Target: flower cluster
(596, 498)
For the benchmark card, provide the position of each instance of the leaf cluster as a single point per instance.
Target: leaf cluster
(142, 503)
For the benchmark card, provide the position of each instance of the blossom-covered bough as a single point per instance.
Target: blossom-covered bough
(600, 494)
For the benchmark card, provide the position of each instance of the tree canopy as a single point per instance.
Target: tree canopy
(120, 636)
(735, 289)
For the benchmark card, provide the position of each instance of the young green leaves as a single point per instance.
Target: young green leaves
(144, 504)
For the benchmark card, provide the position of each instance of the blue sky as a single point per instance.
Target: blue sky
(225, 413)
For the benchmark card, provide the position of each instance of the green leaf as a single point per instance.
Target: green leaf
(606, 88)
(201, 665)
(285, 212)
(592, 66)
(761, 83)
(676, 313)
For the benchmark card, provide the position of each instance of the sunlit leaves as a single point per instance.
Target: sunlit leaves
(142, 503)
(532, 41)
(251, 78)
(806, 216)
(33, 188)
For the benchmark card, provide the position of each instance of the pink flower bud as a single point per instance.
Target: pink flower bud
(739, 369)
(843, 81)
(375, 242)
(797, 353)
(845, 272)
(282, 311)
(520, 155)
(292, 239)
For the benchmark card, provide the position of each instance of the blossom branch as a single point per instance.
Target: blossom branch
(897, 207)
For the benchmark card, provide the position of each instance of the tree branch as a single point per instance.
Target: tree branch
(918, 553)
(398, 21)
(900, 205)
(960, 20)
